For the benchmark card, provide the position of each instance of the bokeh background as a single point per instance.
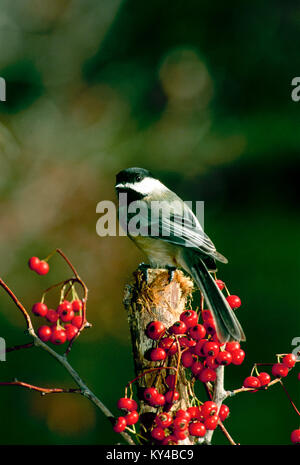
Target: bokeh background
(198, 92)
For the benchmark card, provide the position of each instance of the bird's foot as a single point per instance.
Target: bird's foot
(144, 267)
(171, 269)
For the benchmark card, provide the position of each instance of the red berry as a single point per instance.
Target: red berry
(159, 400)
(150, 394)
(158, 354)
(193, 411)
(65, 311)
(223, 412)
(33, 263)
(189, 317)
(210, 326)
(40, 309)
(187, 359)
(44, 333)
(197, 429)
(170, 381)
(209, 408)
(169, 345)
(211, 422)
(120, 425)
(155, 330)
(220, 284)
(211, 349)
(164, 420)
(183, 414)
(232, 345)
(77, 321)
(170, 440)
(52, 315)
(77, 305)
(171, 396)
(238, 356)
(295, 436)
(264, 378)
(207, 375)
(251, 382)
(210, 362)
(125, 403)
(196, 368)
(132, 417)
(158, 433)
(198, 349)
(234, 301)
(289, 360)
(178, 328)
(71, 331)
(224, 358)
(58, 336)
(197, 332)
(280, 370)
(181, 435)
(42, 268)
(206, 315)
(187, 342)
(180, 423)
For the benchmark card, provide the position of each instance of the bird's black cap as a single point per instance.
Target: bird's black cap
(131, 175)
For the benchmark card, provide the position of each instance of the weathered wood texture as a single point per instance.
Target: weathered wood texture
(164, 301)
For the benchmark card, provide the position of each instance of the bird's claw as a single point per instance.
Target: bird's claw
(144, 267)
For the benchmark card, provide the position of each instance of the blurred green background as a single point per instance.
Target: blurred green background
(197, 92)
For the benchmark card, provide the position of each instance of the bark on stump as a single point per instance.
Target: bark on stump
(164, 301)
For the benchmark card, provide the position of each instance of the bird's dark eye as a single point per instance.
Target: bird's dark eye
(138, 178)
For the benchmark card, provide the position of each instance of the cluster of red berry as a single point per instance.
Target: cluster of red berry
(279, 370)
(65, 323)
(130, 415)
(39, 266)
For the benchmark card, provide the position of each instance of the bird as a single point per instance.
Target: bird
(166, 230)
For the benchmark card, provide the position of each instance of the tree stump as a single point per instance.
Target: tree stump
(161, 300)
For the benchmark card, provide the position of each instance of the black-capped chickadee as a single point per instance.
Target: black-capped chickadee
(168, 232)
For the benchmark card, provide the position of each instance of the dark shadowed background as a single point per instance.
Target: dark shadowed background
(200, 94)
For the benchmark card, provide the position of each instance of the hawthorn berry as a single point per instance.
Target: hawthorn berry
(52, 315)
(210, 326)
(209, 408)
(77, 321)
(181, 434)
(207, 375)
(158, 354)
(224, 358)
(44, 333)
(33, 263)
(77, 305)
(210, 362)
(169, 345)
(120, 425)
(65, 311)
(125, 403)
(251, 382)
(58, 336)
(171, 396)
(187, 359)
(40, 309)
(183, 414)
(232, 345)
(264, 378)
(206, 314)
(211, 422)
(289, 360)
(163, 419)
(193, 411)
(211, 349)
(198, 349)
(295, 436)
(180, 423)
(132, 417)
(150, 394)
(220, 284)
(187, 342)
(179, 327)
(170, 440)
(197, 429)
(279, 370)
(158, 401)
(155, 330)
(170, 381)
(196, 368)
(71, 331)
(158, 433)
(223, 412)
(234, 301)
(42, 268)
(238, 356)
(197, 331)
(189, 317)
